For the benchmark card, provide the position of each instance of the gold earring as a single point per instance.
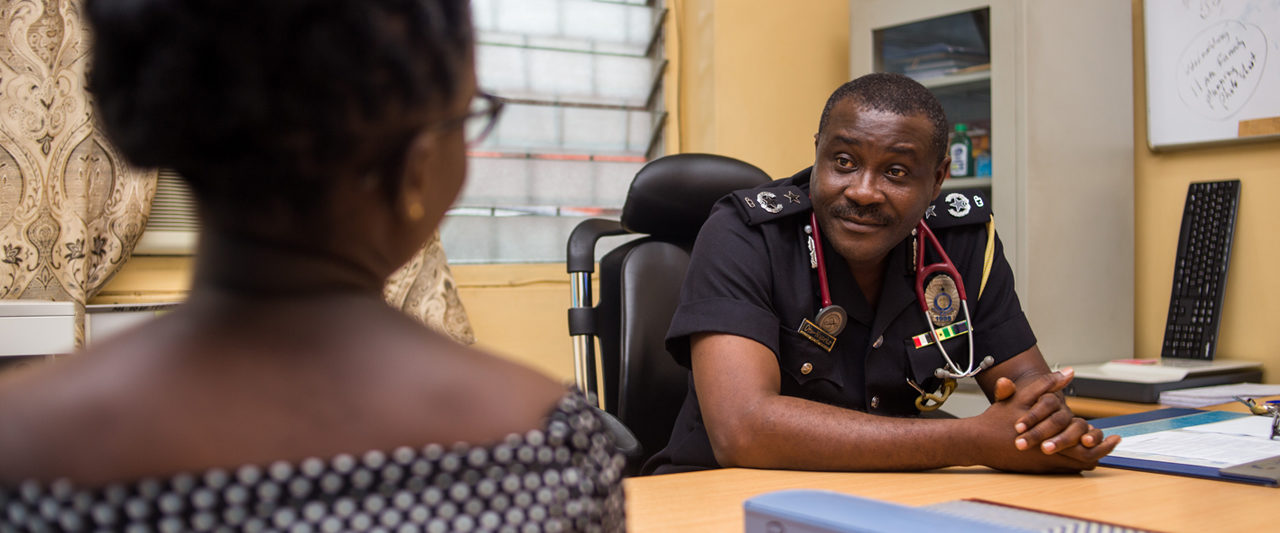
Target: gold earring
(414, 210)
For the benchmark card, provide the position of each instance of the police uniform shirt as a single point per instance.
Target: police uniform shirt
(750, 275)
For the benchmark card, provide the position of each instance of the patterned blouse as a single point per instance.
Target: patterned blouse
(562, 478)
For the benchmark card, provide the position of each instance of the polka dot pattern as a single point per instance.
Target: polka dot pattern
(565, 477)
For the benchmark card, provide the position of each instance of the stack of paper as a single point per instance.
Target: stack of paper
(1206, 396)
(938, 59)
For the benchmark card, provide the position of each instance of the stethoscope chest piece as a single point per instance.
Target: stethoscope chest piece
(832, 319)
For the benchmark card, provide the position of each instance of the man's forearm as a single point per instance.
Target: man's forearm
(750, 424)
(793, 433)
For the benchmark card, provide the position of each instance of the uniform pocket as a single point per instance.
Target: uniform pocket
(806, 362)
(926, 360)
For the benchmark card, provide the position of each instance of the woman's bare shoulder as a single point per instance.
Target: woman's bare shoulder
(496, 388)
(46, 408)
(223, 404)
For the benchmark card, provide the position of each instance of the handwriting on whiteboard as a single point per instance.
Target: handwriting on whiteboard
(1220, 69)
(1206, 8)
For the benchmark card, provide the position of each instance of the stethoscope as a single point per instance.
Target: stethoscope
(831, 314)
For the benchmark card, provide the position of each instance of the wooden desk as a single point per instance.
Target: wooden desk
(1099, 408)
(711, 501)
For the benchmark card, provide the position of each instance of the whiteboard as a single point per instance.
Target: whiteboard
(1213, 71)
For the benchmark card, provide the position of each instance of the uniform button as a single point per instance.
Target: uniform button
(875, 402)
(878, 342)
(806, 369)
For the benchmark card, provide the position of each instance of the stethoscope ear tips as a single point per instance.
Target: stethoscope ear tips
(987, 362)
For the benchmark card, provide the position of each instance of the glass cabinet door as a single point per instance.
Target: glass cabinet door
(951, 56)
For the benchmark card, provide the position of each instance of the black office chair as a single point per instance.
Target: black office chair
(640, 280)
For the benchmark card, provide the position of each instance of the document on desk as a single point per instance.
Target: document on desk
(1217, 444)
(1189, 442)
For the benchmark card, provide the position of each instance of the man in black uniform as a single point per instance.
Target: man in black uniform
(785, 380)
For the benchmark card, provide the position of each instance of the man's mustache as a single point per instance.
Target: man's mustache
(870, 214)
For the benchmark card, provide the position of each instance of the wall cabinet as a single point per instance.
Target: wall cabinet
(1055, 102)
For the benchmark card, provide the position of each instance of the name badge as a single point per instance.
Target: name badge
(816, 334)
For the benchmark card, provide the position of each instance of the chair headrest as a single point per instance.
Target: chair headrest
(671, 196)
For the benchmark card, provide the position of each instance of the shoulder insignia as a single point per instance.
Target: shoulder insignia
(958, 208)
(763, 204)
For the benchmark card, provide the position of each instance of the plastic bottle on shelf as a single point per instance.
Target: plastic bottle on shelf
(982, 164)
(961, 152)
(982, 157)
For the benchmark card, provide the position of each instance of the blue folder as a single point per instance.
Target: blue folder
(1166, 419)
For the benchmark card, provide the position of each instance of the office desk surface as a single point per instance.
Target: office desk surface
(712, 500)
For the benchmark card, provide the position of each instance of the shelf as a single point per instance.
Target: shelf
(967, 183)
(957, 81)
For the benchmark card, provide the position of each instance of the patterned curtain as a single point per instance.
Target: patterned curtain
(424, 289)
(71, 210)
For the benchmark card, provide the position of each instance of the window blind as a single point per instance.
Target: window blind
(582, 80)
(172, 227)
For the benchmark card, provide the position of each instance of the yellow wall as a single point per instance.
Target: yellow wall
(521, 312)
(755, 74)
(148, 279)
(1253, 296)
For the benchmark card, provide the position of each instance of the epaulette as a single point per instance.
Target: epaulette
(958, 208)
(760, 205)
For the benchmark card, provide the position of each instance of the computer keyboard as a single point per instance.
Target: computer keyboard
(1200, 271)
